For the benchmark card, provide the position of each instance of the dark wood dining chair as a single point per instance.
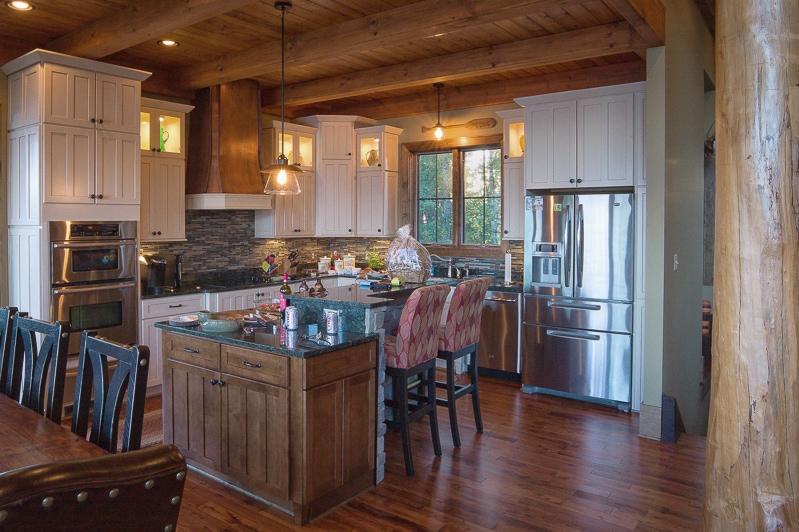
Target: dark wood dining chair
(10, 376)
(140, 490)
(126, 386)
(43, 347)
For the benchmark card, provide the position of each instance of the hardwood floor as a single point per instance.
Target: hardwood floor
(542, 463)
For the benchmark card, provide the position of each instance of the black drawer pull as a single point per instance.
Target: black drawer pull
(190, 350)
(251, 365)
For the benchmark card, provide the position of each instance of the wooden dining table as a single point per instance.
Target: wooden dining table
(26, 438)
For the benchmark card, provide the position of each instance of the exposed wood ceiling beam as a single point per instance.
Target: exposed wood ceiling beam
(139, 23)
(648, 17)
(424, 19)
(480, 95)
(587, 43)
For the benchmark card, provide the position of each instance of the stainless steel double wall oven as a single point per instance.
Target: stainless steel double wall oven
(93, 278)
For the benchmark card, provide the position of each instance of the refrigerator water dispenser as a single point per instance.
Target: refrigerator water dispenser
(546, 263)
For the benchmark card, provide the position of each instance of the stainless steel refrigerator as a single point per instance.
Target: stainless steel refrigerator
(578, 292)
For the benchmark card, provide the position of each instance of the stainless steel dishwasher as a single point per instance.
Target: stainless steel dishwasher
(498, 349)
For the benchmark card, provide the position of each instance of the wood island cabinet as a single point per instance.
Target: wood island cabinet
(297, 432)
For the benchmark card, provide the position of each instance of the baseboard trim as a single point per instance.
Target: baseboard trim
(649, 421)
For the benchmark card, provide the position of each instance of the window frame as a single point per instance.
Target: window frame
(409, 152)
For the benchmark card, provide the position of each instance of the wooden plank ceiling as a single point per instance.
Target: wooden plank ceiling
(377, 58)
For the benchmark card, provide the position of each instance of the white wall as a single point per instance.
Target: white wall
(675, 212)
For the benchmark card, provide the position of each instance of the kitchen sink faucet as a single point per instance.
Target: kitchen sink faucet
(448, 260)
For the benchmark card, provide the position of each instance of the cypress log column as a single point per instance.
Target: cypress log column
(752, 468)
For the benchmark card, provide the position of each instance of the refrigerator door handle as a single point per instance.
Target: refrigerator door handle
(574, 335)
(580, 245)
(579, 306)
(567, 266)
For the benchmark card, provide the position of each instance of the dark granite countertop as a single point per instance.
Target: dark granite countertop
(281, 341)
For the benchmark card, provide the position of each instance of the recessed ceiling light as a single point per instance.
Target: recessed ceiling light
(168, 43)
(19, 6)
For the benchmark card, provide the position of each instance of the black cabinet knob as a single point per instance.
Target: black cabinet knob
(99, 196)
(379, 230)
(153, 233)
(152, 149)
(93, 196)
(100, 121)
(579, 180)
(506, 156)
(93, 120)
(571, 180)
(505, 231)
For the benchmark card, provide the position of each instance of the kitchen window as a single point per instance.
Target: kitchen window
(459, 198)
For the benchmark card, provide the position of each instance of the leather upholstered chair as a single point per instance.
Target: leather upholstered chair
(140, 490)
(127, 384)
(458, 338)
(43, 346)
(411, 364)
(10, 377)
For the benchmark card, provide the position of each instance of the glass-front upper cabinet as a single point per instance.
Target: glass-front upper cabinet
(162, 128)
(377, 147)
(513, 149)
(297, 143)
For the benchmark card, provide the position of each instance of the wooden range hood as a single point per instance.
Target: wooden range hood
(223, 169)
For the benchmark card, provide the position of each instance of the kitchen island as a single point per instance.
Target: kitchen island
(274, 414)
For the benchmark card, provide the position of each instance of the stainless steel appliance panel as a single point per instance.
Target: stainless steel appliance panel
(499, 332)
(109, 308)
(591, 364)
(579, 313)
(549, 242)
(86, 252)
(603, 250)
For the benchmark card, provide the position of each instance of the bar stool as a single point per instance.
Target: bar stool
(411, 355)
(458, 338)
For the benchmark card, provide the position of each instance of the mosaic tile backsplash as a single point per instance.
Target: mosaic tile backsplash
(223, 240)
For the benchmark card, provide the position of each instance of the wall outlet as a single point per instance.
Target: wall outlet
(676, 262)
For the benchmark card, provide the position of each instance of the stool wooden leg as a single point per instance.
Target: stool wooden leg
(400, 384)
(431, 399)
(478, 418)
(453, 416)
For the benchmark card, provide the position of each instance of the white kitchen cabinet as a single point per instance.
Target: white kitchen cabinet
(513, 201)
(161, 309)
(298, 144)
(376, 204)
(163, 203)
(335, 172)
(245, 299)
(377, 163)
(640, 138)
(82, 165)
(513, 135)
(605, 147)
(291, 216)
(551, 136)
(162, 134)
(584, 138)
(377, 147)
(24, 200)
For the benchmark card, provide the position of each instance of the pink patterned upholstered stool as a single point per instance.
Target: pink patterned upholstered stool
(458, 338)
(411, 364)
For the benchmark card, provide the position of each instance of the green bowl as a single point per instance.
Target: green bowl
(213, 325)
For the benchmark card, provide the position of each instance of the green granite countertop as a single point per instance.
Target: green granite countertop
(278, 340)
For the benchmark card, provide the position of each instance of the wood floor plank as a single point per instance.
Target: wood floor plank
(543, 463)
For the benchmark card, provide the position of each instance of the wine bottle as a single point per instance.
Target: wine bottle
(285, 290)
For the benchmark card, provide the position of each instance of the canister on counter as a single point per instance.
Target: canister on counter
(331, 321)
(292, 318)
(292, 337)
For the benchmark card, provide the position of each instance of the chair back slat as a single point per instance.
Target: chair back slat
(10, 361)
(45, 363)
(127, 386)
(147, 489)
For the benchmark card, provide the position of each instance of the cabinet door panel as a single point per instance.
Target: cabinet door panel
(552, 137)
(118, 103)
(323, 417)
(358, 431)
(24, 202)
(255, 431)
(335, 199)
(606, 145)
(513, 201)
(69, 154)
(69, 96)
(369, 204)
(195, 406)
(118, 168)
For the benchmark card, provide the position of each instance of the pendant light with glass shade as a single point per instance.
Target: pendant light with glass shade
(281, 177)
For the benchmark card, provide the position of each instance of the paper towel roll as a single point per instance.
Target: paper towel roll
(507, 267)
